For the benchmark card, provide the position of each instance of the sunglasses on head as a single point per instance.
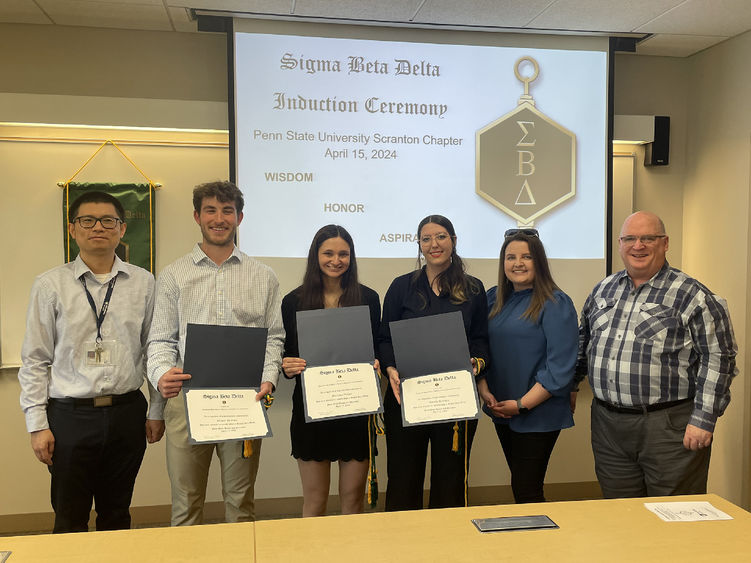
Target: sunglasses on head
(527, 232)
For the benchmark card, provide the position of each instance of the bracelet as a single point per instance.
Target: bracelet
(480, 363)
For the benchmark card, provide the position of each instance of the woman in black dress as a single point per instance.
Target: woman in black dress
(330, 281)
(440, 286)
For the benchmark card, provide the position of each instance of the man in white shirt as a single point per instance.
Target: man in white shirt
(214, 284)
(83, 367)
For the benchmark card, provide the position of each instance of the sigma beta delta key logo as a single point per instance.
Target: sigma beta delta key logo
(525, 161)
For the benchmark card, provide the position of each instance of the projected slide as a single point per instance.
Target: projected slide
(375, 135)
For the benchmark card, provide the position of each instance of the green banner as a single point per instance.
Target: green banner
(137, 246)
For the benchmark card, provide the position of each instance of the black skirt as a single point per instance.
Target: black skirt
(341, 439)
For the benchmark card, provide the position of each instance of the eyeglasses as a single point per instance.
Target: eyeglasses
(527, 232)
(88, 222)
(440, 237)
(647, 240)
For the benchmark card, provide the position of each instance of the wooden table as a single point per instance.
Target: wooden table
(216, 542)
(597, 530)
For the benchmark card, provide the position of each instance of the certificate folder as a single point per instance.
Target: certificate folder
(224, 356)
(338, 380)
(428, 345)
(432, 358)
(335, 336)
(226, 366)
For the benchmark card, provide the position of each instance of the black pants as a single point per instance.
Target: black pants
(527, 455)
(98, 451)
(407, 454)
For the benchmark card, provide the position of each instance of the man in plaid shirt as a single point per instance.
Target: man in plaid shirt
(659, 350)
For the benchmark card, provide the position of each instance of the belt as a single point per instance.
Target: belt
(643, 409)
(101, 401)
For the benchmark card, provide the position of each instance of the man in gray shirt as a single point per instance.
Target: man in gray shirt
(83, 366)
(214, 284)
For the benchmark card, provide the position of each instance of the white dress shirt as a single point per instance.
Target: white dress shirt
(193, 289)
(60, 322)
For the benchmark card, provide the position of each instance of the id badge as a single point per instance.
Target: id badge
(100, 353)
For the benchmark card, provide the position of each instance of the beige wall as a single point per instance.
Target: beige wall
(656, 86)
(715, 226)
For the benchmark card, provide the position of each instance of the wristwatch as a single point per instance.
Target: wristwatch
(522, 408)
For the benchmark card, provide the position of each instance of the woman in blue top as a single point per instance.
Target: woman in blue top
(533, 336)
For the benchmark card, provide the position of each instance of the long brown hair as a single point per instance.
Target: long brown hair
(543, 285)
(453, 281)
(310, 293)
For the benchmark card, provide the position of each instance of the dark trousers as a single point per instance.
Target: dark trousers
(527, 455)
(639, 455)
(98, 451)
(407, 455)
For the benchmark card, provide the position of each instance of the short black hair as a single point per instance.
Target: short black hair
(222, 191)
(95, 197)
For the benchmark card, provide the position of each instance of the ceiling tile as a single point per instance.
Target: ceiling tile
(93, 13)
(250, 6)
(703, 17)
(676, 45)
(61, 5)
(382, 10)
(497, 13)
(596, 15)
(21, 11)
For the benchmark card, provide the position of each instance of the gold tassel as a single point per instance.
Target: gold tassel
(455, 441)
(268, 400)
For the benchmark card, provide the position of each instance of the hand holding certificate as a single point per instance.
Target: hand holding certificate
(339, 380)
(226, 365)
(437, 384)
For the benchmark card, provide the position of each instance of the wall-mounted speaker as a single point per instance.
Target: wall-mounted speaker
(657, 153)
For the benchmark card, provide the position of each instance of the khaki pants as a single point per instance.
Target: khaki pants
(188, 469)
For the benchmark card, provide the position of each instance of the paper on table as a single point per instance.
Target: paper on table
(686, 511)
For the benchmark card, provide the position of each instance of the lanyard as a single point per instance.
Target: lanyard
(99, 318)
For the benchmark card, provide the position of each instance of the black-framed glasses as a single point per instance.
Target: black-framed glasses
(527, 232)
(647, 240)
(88, 222)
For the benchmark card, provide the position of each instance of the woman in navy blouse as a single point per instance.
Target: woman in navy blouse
(533, 342)
(440, 286)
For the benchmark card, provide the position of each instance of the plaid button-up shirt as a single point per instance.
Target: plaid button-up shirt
(669, 339)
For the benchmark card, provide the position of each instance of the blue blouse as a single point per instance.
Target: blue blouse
(524, 352)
